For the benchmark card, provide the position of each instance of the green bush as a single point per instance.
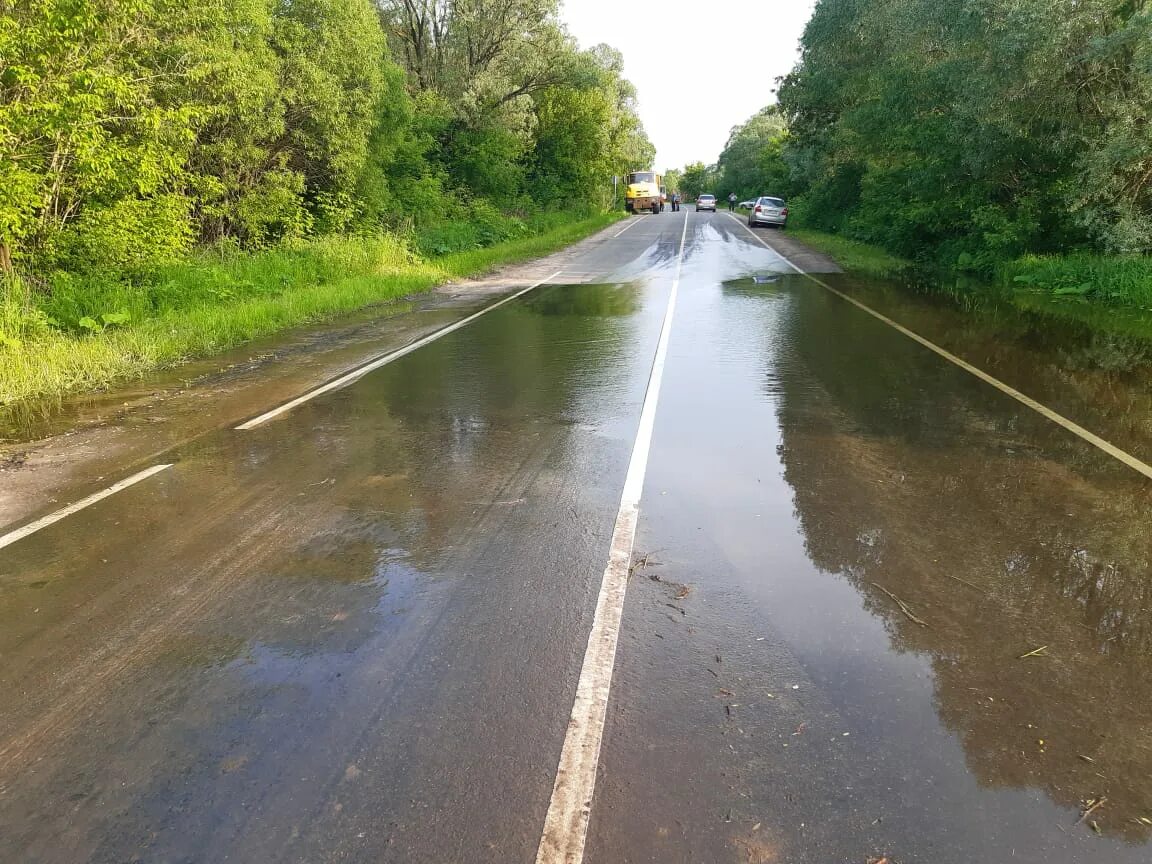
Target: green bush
(125, 234)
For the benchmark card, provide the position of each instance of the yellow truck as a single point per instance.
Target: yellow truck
(644, 190)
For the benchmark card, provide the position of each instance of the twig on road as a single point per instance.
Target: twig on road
(1035, 652)
(966, 582)
(903, 607)
(1092, 807)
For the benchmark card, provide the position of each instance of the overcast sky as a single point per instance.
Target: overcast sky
(728, 55)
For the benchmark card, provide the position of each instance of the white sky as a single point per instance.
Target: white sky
(728, 55)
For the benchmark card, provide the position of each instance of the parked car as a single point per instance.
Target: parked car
(768, 211)
(706, 202)
(746, 205)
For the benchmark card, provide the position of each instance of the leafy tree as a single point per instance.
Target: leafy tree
(976, 130)
(130, 130)
(696, 179)
(744, 162)
(79, 118)
(587, 130)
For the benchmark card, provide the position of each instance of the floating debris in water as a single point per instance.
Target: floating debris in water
(764, 280)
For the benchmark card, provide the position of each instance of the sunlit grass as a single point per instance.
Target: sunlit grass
(207, 305)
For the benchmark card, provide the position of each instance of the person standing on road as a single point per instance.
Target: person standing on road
(675, 201)
(731, 200)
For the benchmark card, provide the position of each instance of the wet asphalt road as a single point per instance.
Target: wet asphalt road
(354, 633)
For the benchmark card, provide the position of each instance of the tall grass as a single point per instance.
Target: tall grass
(1117, 279)
(205, 305)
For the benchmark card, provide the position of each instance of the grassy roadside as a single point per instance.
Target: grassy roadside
(209, 304)
(1118, 281)
(852, 255)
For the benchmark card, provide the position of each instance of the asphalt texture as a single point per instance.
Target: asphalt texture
(878, 609)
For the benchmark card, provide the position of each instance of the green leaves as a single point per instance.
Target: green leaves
(133, 130)
(109, 319)
(988, 129)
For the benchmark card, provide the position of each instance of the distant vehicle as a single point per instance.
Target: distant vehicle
(768, 211)
(746, 205)
(643, 190)
(706, 202)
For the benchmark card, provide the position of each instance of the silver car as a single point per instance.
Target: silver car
(768, 211)
(706, 202)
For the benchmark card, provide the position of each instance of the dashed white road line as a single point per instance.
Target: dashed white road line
(361, 371)
(566, 825)
(52, 518)
(1041, 409)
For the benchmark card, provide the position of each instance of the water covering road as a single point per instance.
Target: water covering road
(355, 633)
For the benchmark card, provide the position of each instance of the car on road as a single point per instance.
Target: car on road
(767, 210)
(706, 202)
(746, 205)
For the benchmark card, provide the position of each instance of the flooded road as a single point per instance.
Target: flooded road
(878, 607)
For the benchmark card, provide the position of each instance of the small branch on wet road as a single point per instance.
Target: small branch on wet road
(966, 582)
(903, 607)
(1091, 806)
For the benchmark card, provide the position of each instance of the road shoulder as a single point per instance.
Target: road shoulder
(804, 257)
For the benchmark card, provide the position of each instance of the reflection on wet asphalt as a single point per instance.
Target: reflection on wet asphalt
(809, 464)
(354, 634)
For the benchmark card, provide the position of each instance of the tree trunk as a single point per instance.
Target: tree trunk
(6, 268)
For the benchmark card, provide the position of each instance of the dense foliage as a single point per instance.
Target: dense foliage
(978, 130)
(133, 131)
(967, 134)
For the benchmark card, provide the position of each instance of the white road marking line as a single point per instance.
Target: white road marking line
(566, 824)
(634, 221)
(1041, 409)
(361, 371)
(52, 518)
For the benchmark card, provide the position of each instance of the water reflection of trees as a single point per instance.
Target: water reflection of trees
(942, 496)
(405, 456)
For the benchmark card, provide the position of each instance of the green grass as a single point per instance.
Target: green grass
(1122, 280)
(211, 303)
(852, 255)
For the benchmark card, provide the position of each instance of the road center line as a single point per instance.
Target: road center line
(566, 824)
(1059, 419)
(52, 518)
(372, 365)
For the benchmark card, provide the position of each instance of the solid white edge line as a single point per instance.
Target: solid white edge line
(1041, 409)
(52, 518)
(634, 221)
(569, 811)
(361, 371)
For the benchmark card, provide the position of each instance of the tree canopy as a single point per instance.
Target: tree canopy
(132, 130)
(976, 129)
